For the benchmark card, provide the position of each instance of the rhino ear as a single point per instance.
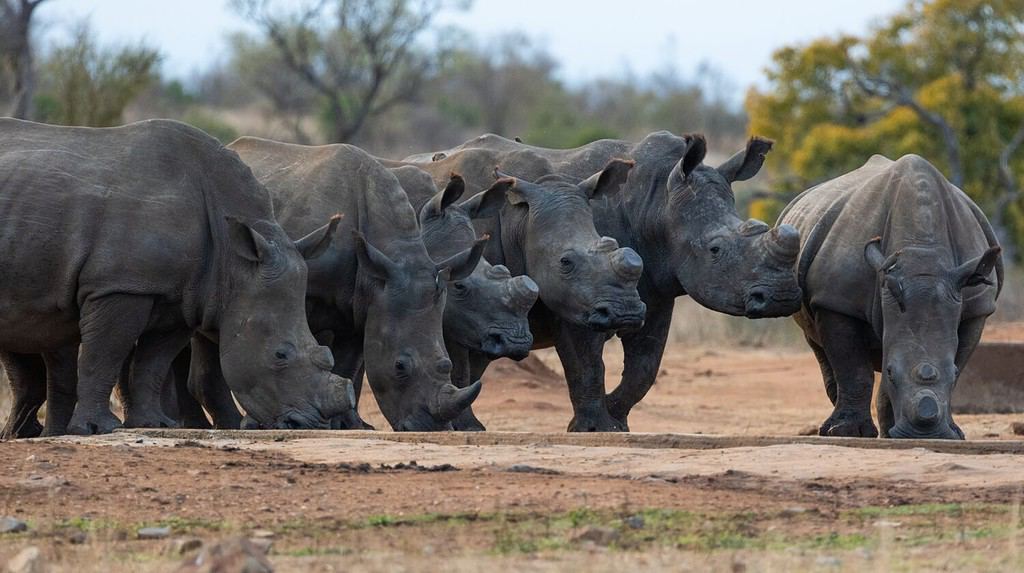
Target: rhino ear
(314, 244)
(608, 180)
(374, 262)
(975, 271)
(446, 197)
(486, 203)
(247, 242)
(461, 265)
(748, 162)
(696, 149)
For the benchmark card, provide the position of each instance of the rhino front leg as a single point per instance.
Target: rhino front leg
(151, 366)
(580, 350)
(206, 383)
(827, 375)
(190, 410)
(348, 363)
(968, 336)
(845, 342)
(109, 326)
(61, 388)
(26, 374)
(643, 350)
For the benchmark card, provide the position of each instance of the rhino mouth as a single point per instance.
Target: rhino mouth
(905, 431)
(292, 419)
(421, 421)
(507, 342)
(764, 301)
(613, 315)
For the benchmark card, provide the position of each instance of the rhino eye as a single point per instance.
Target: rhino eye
(459, 286)
(715, 250)
(566, 264)
(401, 367)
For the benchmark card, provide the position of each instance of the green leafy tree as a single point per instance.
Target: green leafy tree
(87, 84)
(942, 78)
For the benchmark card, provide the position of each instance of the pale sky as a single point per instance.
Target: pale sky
(589, 38)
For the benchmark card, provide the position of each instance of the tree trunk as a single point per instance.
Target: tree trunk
(1011, 193)
(19, 46)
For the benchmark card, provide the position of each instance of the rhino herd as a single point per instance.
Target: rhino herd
(194, 278)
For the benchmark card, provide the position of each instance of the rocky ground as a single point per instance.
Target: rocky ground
(535, 502)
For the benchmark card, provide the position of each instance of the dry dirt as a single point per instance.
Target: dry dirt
(540, 502)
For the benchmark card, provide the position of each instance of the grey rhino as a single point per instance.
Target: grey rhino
(587, 281)
(136, 237)
(896, 271)
(487, 312)
(680, 216)
(375, 293)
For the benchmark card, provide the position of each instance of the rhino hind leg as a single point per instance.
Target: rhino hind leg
(61, 388)
(827, 375)
(845, 343)
(109, 326)
(190, 411)
(206, 383)
(27, 376)
(151, 367)
(643, 351)
(580, 351)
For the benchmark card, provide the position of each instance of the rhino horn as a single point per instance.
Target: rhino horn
(450, 400)
(784, 243)
(339, 397)
(628, 264)
(524, 291)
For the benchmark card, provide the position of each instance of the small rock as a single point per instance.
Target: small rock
(808, 431)
(1018, 428)
(154, 532)
(29, 560)
(262, 543)
(635, 521)
(77, 537)
(602, 536)
(795, 510)
(183, 545)
(237, 555)
(828, 561)
(262, 534)
(12, 525)
(739, 566)
(887, 523)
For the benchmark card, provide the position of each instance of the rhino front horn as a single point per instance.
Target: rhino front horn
(451, 401)
(785, 243)
(340, 396)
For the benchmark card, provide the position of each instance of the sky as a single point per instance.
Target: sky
(589, 38)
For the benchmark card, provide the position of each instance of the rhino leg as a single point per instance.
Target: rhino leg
(643, 350)
(190, 411)
(151, 366)
(348, 363)
(109, 326)
(466, 370)
(206, 383)
(883, 409)
(580, 351)
(61, 388)
(827, 375)
(27, 376)
(845, 342)
(968, 335)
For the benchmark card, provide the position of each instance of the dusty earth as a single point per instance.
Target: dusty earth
(543, 501)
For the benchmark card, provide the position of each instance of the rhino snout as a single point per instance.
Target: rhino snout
(512, 343)
(610, 315)
(768, 301)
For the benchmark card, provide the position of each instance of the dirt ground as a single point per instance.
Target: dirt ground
(541, 502)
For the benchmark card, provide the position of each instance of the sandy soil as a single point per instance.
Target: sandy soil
(351, 502)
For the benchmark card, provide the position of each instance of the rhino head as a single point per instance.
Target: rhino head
(584, 278)
(487, 310)
(921, 300)
(406, 363)
(268, 355)
(742, 268)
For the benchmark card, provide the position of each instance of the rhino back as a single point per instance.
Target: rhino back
(905, 202)
(89, 212)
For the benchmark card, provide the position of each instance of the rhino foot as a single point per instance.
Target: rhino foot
(468, 422)
(149, 420)
(849, 425)
(599, 421)
(350, 420)
(25, 429)
(84, 423)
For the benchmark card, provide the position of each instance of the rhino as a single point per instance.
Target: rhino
(679, 215)
(132, 239)
(545, 229)
(487, 312)
(896, 270)
(375, 295)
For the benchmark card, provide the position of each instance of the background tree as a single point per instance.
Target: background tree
(361, 58)
(942, 79)
(86, 84)
(17, 54)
